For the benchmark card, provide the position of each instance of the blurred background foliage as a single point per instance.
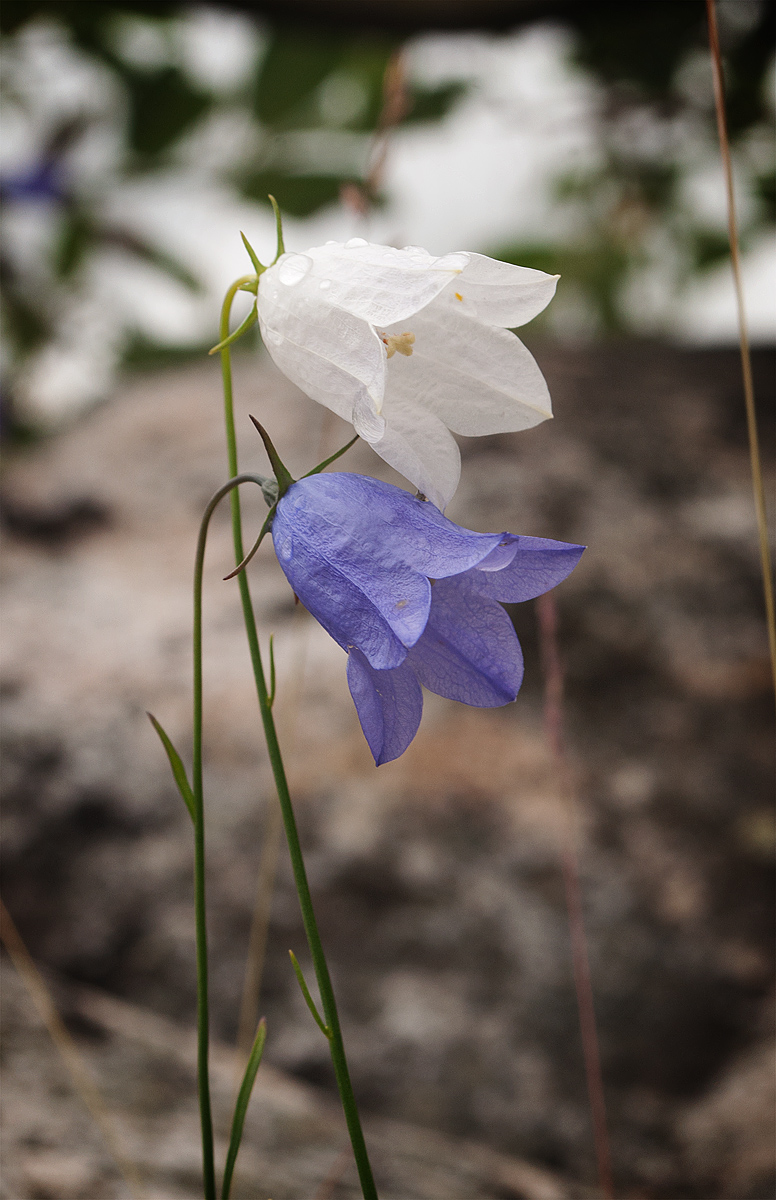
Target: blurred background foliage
(106, 103)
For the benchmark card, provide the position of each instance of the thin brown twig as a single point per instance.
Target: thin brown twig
(746, 362)
(68, 1051)
(395, 105)
(553, 719)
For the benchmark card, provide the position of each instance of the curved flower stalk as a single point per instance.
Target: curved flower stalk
(413, 598)
(409, 347)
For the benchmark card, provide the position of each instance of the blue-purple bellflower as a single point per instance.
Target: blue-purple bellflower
(412, 597)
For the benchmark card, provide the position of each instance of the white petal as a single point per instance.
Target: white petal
(502, 294)
(475, 378)
(420, 447)
(379, 283)
(333, 356)
(368, 424)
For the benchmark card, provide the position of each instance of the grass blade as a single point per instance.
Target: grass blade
(241, 1106)
(178, 769)
(308, 998)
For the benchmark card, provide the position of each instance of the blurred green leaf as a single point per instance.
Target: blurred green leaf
(366, 61)
(637, 44)
(431, 104)
(655, 183)
(748, 94)
(84, 17)
(708, 247)
(293, 67)
(76, 234)
(765, 191)
(26, 325)
(297, 195)
(163, 104)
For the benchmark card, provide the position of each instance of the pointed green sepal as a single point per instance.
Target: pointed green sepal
(308, 998)
(263, 533)
(176, 763)
(241, 1106)
(258, 266)
(332, 458)
(249, 321)
(281, 249)
(282, 474)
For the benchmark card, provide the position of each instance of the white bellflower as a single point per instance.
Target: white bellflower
(408, 348)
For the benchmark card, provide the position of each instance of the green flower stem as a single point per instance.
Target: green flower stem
(278, 770)
(203, 1021)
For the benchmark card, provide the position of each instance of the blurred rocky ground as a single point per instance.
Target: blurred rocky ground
(437, 878)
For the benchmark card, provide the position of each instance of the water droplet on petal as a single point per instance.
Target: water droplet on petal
(293, 268)
(356, 242)
(274, 337)
(325, 284)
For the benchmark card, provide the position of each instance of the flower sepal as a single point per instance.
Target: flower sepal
(274, 489)
(283, 477)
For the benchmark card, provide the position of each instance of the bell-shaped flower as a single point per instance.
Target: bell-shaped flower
(411, 597)
(408, 347)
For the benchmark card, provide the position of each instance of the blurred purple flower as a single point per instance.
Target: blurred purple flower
(411, 597)
(40, 182)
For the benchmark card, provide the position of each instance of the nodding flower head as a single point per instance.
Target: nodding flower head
(411, 597)
(409, 347)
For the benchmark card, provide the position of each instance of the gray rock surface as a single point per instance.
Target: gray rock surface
(294, 1141)
(436, 878)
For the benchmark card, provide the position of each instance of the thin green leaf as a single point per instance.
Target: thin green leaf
(241, 1106)
(333, 458)
(308, 998)
(250, 320)
(178, 769)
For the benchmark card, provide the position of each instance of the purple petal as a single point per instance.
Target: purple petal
(536, 565)
(343, 611)
(469, 651)
(379, 607)
(387, 525)
(503, 554)
(389, 706)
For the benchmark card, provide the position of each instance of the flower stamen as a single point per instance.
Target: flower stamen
(403, 342)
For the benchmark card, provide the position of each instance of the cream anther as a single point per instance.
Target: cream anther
(403, 342)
